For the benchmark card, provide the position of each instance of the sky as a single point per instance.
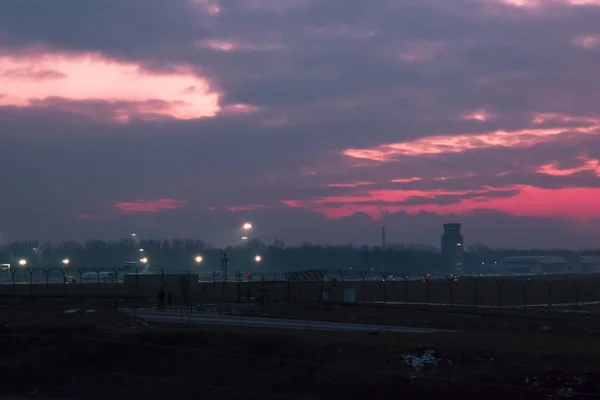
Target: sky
(186, 118)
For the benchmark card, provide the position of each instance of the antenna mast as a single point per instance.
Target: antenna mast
(382, 212)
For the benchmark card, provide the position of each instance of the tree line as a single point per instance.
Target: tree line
(196, 255)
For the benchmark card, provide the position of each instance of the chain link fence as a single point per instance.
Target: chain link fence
(311, 285)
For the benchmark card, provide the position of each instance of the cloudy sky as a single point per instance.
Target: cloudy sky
(184, 118)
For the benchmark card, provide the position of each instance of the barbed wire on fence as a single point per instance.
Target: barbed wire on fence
(316, 284)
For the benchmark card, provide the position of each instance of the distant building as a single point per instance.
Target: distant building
(453, 248)
(529, 265)
(589, 264)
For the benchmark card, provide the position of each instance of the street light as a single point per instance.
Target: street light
(258, 258)
(141, 250)
(247, 226)
(198, 259)
(22, 262)
(144, 260)
(244, 237)
(66, 261)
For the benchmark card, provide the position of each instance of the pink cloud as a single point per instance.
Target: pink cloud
(587, 42)
(93, 77)
(248, 207)
(210, 7)
(422, 51)
(573, 203)
(148, 206)
(477, 115)
(236, 45)
(460, 143)
(239, 109)
(405, 180)
(32, 73)
(351, 184)
(555, 170)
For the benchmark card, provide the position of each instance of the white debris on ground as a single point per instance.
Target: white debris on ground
(119, 327)
(580, 380)
(421, 361)
(71, 310)
(534, 380)
(90, 311)
(562, 393)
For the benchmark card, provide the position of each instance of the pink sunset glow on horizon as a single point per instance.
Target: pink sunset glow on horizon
(575, 203)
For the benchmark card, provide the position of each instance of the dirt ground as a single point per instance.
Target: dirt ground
(454, 318)
(107, 355)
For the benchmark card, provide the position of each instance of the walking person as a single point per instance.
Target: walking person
(161, 299)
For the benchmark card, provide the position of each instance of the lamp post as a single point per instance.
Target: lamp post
(198, 259)
(247, 227)
(133, 246)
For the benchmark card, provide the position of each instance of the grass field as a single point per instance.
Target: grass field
(105, 354)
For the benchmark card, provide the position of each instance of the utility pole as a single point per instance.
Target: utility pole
(382, 213)
(224, 261)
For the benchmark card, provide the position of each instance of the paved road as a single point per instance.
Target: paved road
(230, 320)
(515, 307)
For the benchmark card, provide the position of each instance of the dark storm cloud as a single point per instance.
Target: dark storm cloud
(327, 76)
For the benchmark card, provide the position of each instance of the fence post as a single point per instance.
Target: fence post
(64, 272)
(405, 276)
(97, 271)
(14, 285)
(47, 273)
(364, 275)
(189, 289)
(31, 271)
(238, 279)
(476, 292)
(499, 286)
(342, 275)
(80, 270)
(525, 284)
(322, 273)
(426, 278)
(576, 288)
(116, 271)
(385, 277)
(306, 288)
(549, 285)
(450, 279)
(288, 286)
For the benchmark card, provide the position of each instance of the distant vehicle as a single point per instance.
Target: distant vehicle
(102, 277)
(133, 267)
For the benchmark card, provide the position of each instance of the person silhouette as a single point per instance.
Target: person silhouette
(161, 299)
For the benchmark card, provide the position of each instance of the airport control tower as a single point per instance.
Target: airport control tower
(453, 248)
